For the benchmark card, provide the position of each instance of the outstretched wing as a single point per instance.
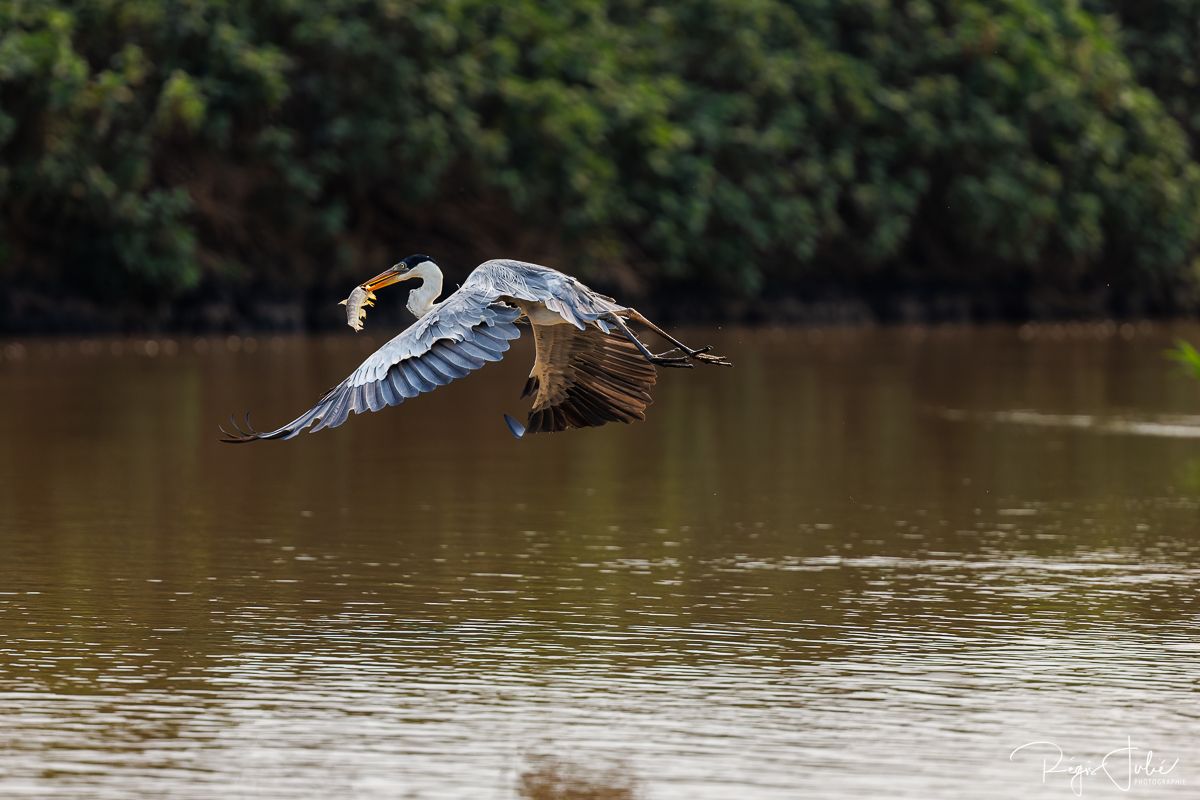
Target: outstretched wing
(464, 332)
(584, 378)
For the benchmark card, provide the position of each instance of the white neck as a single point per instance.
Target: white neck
(420, 300)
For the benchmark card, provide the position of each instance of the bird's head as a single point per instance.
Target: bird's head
(405, 270)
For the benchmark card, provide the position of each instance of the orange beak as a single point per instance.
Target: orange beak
(387, 278)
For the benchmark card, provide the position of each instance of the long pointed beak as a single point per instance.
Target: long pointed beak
(387, 278)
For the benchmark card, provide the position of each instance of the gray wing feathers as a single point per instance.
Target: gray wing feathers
(462, 334)
(560, 293)
(466, 310)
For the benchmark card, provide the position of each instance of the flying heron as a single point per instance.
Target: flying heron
(590, 368)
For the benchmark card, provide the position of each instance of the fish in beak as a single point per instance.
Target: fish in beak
(356, 306)
(364, 294)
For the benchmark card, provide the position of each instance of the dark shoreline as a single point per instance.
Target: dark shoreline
(40, 314)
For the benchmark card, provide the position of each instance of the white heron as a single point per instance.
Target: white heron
(590, 368)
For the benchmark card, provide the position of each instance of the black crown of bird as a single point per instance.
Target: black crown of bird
(589, 368)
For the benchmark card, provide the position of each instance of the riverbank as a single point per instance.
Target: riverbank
(25, 313)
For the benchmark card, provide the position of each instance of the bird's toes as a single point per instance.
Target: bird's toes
(720, 361)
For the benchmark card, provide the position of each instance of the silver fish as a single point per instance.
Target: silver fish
(356, 307)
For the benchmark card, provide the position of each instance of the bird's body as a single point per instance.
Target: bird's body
(590, 369)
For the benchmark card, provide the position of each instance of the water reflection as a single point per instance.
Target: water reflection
(797, 578)
(550, 778)
(1180, 427)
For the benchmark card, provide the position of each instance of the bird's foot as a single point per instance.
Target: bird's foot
(702, 355)
(709, 358)
(667, 360)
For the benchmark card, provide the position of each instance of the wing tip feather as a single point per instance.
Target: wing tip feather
(241, 433)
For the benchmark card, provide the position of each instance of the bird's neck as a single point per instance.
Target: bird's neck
(420, 300)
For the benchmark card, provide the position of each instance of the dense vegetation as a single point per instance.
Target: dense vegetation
(1000, 158)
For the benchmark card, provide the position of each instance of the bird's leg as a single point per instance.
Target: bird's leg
(661, 360)
(701, 354)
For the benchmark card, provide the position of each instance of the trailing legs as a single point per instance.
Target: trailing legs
(700, 354)
(666, 359)
(662, 360)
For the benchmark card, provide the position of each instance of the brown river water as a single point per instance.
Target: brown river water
(864, 563)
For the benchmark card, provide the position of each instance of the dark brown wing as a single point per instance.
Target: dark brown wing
(585, 378)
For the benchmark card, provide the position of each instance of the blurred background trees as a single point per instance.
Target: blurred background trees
(168, 163)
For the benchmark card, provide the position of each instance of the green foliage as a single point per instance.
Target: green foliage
(1187, 356)
(753, 146)
(1160, 37)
